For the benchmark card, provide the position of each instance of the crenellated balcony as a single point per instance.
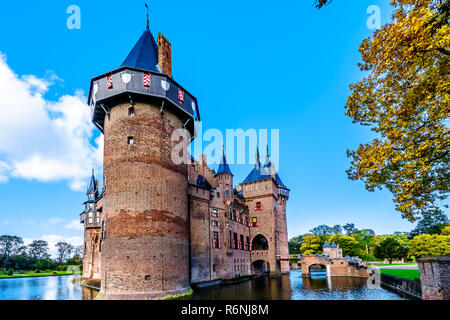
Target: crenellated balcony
(283, 192)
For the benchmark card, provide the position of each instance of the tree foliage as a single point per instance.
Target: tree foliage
(311, 244)
(348, 244)
(38, 250)
(294, 245)
(430, 223)
(64, 251)
(405, 100)
(428, 245)
(391, 249)
(10, 245)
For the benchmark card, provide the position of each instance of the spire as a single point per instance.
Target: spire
(223, 166)
(144, 54)
(92, 185)
(258, 163)
(268, 163)
(148, 22)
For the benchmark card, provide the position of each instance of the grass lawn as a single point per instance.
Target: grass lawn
(33, 274)
(395, 264)
(406, 274)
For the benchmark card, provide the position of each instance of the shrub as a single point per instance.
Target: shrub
(10, 272)
(368, 257)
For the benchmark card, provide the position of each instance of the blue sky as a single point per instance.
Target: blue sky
(252, 64)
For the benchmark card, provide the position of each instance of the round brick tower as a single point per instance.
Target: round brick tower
(144, 245)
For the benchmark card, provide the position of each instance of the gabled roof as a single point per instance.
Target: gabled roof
(223, 166)
(144, 54)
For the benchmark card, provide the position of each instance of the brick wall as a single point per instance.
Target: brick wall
(145, 253)
(435, 277)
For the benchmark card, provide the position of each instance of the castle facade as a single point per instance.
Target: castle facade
(156, 227)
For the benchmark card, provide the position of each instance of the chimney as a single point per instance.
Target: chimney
(164, 55)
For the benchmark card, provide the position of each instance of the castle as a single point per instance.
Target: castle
(156, 227)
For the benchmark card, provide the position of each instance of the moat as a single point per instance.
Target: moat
(287, 287)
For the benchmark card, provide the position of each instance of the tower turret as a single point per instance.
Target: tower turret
(225, 177)
(145, 250)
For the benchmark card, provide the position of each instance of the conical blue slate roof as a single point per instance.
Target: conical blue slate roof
(144, 54)
(334, 245)
(223, 166)
(326, 245)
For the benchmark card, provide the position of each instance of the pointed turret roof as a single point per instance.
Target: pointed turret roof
(144, 54)
(268, 163)
(258, 173)
(223, 166)
(326, 245)
(334, 245)
(93, 184)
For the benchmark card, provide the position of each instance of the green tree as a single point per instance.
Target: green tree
(310, 244)
(9, 246)
(64, 251)
(294, 245)
(429, 245)
(404, 99)
(431, 223)
(349, 229)
(364, 237)
(348, 244)
(322, 230)
(391, 249)
(38, 250)
(336, 229)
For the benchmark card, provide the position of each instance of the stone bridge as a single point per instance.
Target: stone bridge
(336, 267)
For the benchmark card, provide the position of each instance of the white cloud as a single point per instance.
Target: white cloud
(52, 240)
(56, 220)
(74, 225)
(44, 140)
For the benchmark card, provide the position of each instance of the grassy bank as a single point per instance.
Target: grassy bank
(406, 274)
(34, 274)
(394, 264)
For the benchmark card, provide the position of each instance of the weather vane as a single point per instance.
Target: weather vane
(146, 5)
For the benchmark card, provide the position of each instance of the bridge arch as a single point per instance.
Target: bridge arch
(317, 267)
(260, 242)
(260, 267)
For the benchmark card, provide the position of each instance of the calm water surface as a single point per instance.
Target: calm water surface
(287, 287)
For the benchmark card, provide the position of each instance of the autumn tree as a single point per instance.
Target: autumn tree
(310, 244)
(404, 99)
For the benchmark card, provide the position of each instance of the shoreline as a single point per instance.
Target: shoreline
(35, 276)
